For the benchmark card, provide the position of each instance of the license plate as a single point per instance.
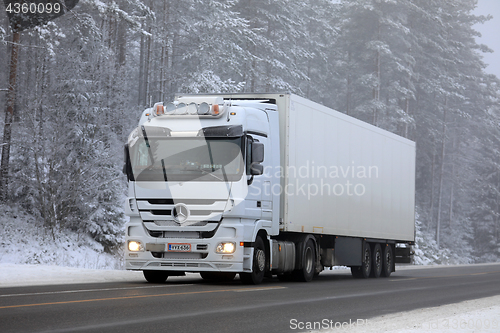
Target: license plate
(179, 247)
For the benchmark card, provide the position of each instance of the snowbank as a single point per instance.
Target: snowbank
(12, 275)
(480, 315)
(24, 240)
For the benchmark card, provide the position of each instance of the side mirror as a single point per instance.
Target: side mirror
(257, 152)
(257, 157)
(256, 169)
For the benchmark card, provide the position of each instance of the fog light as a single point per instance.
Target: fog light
(228, 247)
(134, 246)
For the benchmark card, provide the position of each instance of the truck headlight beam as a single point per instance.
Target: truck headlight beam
(226, 247)
(135, 246)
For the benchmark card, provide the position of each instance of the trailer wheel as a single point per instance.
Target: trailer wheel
(388, 261)
(366, 266)
(218, 276)
(259, 264)
(155, 276)
(306, 273)
(377, 261)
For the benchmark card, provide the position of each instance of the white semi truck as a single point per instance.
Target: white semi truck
(263, 184)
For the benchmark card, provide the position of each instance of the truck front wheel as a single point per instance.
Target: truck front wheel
(258, 266)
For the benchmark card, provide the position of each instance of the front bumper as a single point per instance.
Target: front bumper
(201, 257)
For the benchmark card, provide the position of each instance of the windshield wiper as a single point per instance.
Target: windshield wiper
(198, 168)
(205, 172)
(164, 170)
(150, 153)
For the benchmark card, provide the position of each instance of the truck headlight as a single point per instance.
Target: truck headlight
(135, 246)
(227, 247)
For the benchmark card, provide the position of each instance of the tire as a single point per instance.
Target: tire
(377, 261)
(218, 276)
(258, 266)
(388, 261)
(366, 266)
(155, 276)
(306, 273)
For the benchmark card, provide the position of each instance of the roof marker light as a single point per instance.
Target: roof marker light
(215, 110)
(204, 108)
(170, 109)
(192, 108)
(181, 108)
(159, 110)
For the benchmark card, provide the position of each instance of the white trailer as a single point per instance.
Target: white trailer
(265, 184)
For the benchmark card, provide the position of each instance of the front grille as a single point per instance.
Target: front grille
(163, 209)
(175, 224)
(137, 263)
(184, 201)
(168, 212)
(155, 234)
(174, 234)
(179, 255)
(161, 212)
(177, 264)
(182, 233)
(173, 255)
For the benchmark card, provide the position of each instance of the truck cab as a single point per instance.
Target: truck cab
(200, 178)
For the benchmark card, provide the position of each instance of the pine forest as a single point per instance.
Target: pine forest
(412, 67)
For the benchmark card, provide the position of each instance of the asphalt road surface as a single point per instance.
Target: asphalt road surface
(189, 304)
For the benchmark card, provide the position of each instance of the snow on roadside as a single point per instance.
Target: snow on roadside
(24, 240)
(12, 275)
(479, 315)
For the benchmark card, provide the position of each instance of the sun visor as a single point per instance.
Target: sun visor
(222, 131)
(153, 131)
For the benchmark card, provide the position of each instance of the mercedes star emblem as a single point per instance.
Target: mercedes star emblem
(180, 213)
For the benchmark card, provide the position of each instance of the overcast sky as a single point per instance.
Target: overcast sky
(490, 33)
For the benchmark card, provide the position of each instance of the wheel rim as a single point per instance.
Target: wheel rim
(378, 260)
(388, 260)
(260, 259)
(367, 260)
(309, 259)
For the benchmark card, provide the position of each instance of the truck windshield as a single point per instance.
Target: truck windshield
(186, 159)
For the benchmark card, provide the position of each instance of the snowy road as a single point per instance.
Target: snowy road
(119, 301)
